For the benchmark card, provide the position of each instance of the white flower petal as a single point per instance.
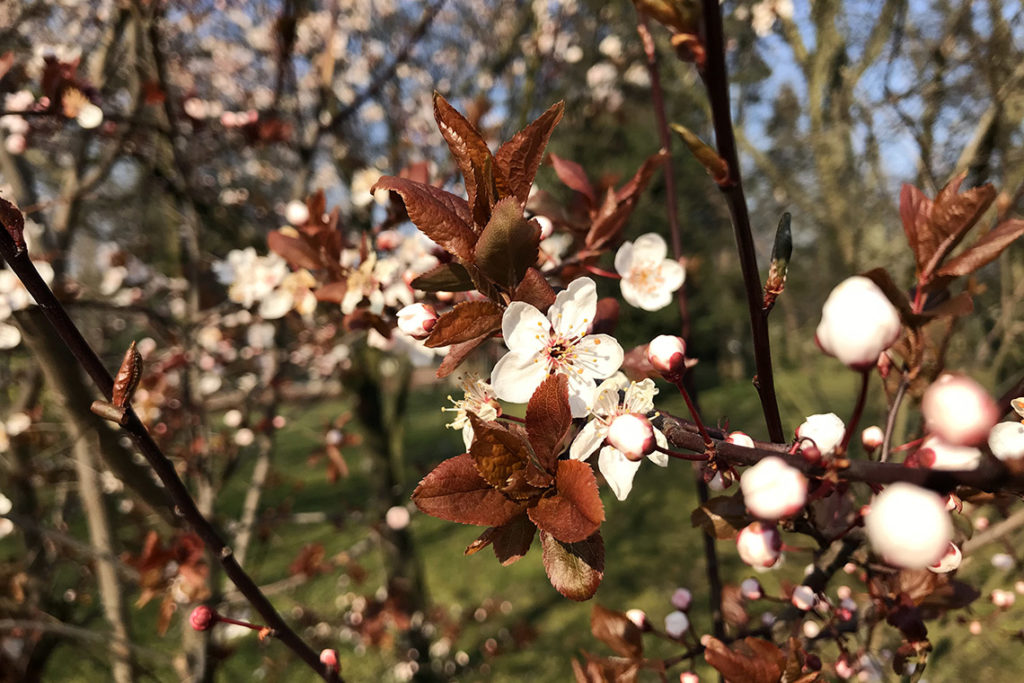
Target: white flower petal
(640, 397)
(516, 375)
(598, 355)
(606, 400)
(581, 392)
(276, 304)
(650, 247)
(624, 258)
(672, 274)
(574, 308)
(588, 440)
(618, 471)
(657, 457)
(525, 328)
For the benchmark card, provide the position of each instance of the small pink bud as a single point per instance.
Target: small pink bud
(667, 355)
(417, 320)
(202, 618)
(857, 323)
(329, 658)
(758, 545)
(740, 439)
(639, 619)
(948, 562)
(975, 628)
(804, 598)
(872, 437)
(958, 410)
(751, 589)
(676, 624)
(908, 525)
(772, 489)
(633, 435)
(681, 599)
(689, 677)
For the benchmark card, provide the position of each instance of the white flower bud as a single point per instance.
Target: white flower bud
(751, 589)
(1003, 599)
(639, 618)
(772, 489)
(958, 410)
(296, 212)
(1006, 440)
(872, 437)
(939, 455)
(89, 116)
(689, 677)
(681, 599)
(825, 430)
(740, 439)
(804, 598)
(948, 562)
(633, 435)
(417, 320)
(758, 545)
(811, 629)
(909, 526)
(857, 323)
(676, 624)
(667, 354)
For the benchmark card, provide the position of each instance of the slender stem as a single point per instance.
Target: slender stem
(709, 443)
(890, 420)
(716, 82)
(602, 272)
(665, 138)
(184, 505)
(858, 410)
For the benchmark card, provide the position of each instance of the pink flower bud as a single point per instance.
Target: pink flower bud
(857, 323)
(772, 489)
(1006, 440)
(804, 598)
(872, 437)
(825, 430)
(689, 677)
(758, 545)
(667, 354)
(639, 619)
(751, 589)
(633, 435)
(740, 439)
(948, 562)
(681, 599)
(417, 320)
(958, 410)
(908, 526)
(202, 618)
(677, 623)
(329, 658)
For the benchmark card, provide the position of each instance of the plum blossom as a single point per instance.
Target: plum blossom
(825, 430)
(857, 323)
(542, 345)
(648, 278)
(772, 489)
(616, 468)
(250, 278)
(759, 545)
(909, 526)
(478, 398)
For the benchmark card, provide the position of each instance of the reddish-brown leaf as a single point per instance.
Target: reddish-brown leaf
(607, 317)
(510, 541)
(293, 250)
(915, 212)
(438, 214)
(635, 185)
(535, 290)
(128, 376)
(519, 158)
(548, 418)
(465, 322)
(574, 569)
(508, 244)
(456, 354)
(734, 609)
(615, 630)
(574, 177)
(955, 212)
(497, 451)
(575, 511)
(455, 491)
(985, 250)
(473, 158)
(447, 277)
(721, 517)
(751, 660)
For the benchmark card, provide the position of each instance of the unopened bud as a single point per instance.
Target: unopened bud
(751, 589)
(1006, 440)
(872, 437)
(676, 624)
(639, 619)
(296, 212)
(758, 545)
(202, 618)
(804, 598)
(948, 562)
(667, 355)
(417, 320)
(772, 489)
(824, 430)
(857, 323)
(681, 599)
(908, 526)
(633, 435)
(958, 410)
(329, 658)
(1003, 599)
(740, 439)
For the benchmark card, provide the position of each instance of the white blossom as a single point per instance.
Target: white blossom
(857, 323)
(649, 279)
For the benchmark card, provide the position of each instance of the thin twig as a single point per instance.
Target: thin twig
(890, 420)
